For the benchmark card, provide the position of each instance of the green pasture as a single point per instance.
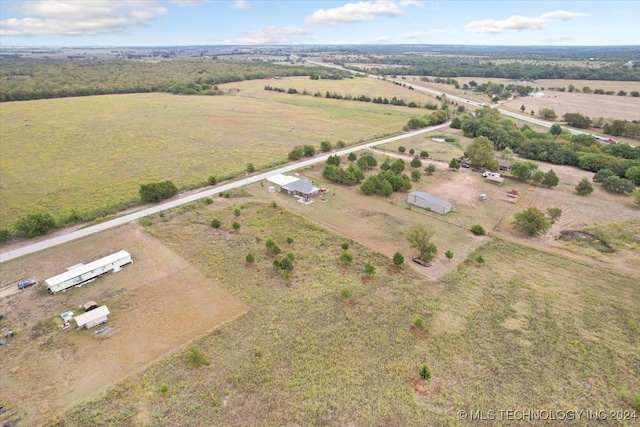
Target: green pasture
(90, 154)
(524, 330)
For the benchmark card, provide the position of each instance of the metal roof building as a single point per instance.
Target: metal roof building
(282, 180)
(84, 272)
(92, 318)
(301, 187)
(427, 201)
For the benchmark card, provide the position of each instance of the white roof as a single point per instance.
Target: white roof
(281, 179)
(92, 315)
(430, 198)
(80, 270)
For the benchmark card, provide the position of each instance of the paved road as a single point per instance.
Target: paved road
(9, 255)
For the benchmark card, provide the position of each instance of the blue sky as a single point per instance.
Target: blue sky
(264, 22)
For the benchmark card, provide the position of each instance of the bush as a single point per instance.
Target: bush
(449, 255)
(4, 235)
(296, 154)
(412, 151)
(478, 230)
(289, 240)
(275, 249)
(340, 144)
(145, 222)
(346, 258)
(156, 191)
(286, 264)
(369, 268)
(480, 259)
(269, 243)
(208, 201)
(402, 149)
(35, 224)
(344, 246)
(636, 402)
(345, 292)
(309, 150)
(236, 212)
(215, 223)
(325, 146)
(430, 169)
(212, 180)
(235, 225)
(291, 256)
(249, 258)
(195, 358)
(419, 323)
(615, 184)
(398, 259)
(584, 187)
(424, 154)
(425, 372)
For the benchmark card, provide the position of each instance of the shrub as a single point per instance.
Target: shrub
(250, 168)
(296, 154)
(412, 151)
(269, 243)
(478, 230)
(416, 163)
(369, 268)
(345, 292)
(145, 222)
(289, 240)
(636, 402)
(344, 246)
(275, 249)
(340, 144)
(419, 323)
(236, 212)
(430, 169)
(212, 180)
(325, 146)
(291, 256)
(250, 258)
(346, 258)
(584, 187)
(402, 149)
(164, 388)
(35, 224)
(235, 225)
(398, 259)
(156, 191)
(424, 154)
(5, 234)
(215, 223)
(208, 201)
(309, 150)
(286, 264)
(449, 255)
(195, 358)
(480, 259)
(425, 372)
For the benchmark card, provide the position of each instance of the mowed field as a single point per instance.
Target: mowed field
(92, 154)
(330, 346)
(157, 305)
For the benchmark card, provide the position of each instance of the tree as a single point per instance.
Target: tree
(449, 255)
(547, 114)
(398, 166)
(416, 175)
(367, 162)
(412, 151)
(309, 150)
(156, 191)
(418, 237)
(424, 154)
(615, 184)
(333, 160)
(296, 153)
(325, 146)
(550, 179)
(352, 157)
(584, 187)
(537, 177)
(602, 174)
(401, 149)
(522, 108)
(478, 230)
(577, 120)
(346, 258)
(5, 234)
(456, 123)
(35, 224)
(269, 243)
(340, 144)
(523, 171)
(215, 223)
(415, 163)
(249, 258)
(480, 153)
(250, 168)
(398, 259)
(235, 225)
(556, 129)
(369, 268)
(633, 174)
(454, 164)
(554, 214)
(430, 169)
(425, 373)
(531, 222)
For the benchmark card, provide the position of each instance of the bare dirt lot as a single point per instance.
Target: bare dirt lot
(157, 304)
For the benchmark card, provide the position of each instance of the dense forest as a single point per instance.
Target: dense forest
(25, 79)
(482, 67)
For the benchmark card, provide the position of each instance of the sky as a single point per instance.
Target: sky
(309, 22)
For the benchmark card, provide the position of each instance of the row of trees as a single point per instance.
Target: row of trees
(528, 172)
(431, 119)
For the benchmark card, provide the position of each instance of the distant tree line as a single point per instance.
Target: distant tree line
(27, 79)
(420, 65)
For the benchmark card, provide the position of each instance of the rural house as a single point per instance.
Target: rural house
(427, 201)
(282, 180)
(303, 187)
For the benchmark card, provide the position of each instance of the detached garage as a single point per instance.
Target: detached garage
(427, 201)
(92, 318)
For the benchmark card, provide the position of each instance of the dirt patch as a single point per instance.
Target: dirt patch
(425, 388)
(157, 304)
(583, 237)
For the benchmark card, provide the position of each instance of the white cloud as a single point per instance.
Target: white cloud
(271, 35)
(355, 12)
(241, 5)
(519, 23)
(419, 34)
(79, 17)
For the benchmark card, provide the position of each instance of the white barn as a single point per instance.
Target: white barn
(427, 201)
(92, 318)
(84, 272)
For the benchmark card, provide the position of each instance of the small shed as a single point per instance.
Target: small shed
(504, 165)
(92, 318)
(427, 201)
(303, 187)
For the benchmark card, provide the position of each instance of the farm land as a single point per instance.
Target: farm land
(541, 324)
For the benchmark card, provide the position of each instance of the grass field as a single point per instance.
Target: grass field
(91, 154)
(525, 330)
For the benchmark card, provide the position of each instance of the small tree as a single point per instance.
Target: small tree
(402, 149)
(449, 255)
(309, 150)
(269, 243)
(369, 268)
(235, 225)
(196, 358)
(35, 224)
(215, 223)
(416, 175)
(418, 237)
(212, 180)
(430, 169)
(250, 168)
(454, 164)
(615, 184)
(352, 157)
(340, 144)
(249, 258)
(424, 154)
(547, 114)
(531, 222)
(584, 187)
(537, 177)
(419, 323)
(398, 259)
(480, 259)
(522, 108)
(550, 179)
(556, 129)
(325, 146)
(344, 246)
(602, 174)
(275, 249)
(236, 212)
(289, 240)
(554, 214)
(346, 258)
(416, 163)
(425, 372)
(412, 151)
(478, 230)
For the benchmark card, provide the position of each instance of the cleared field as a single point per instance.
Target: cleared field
(91, 154)
(157, 304)
(509, 334)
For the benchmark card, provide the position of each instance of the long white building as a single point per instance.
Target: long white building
(81, 274)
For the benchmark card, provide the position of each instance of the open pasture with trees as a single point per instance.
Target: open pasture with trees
(80, 158)
(306, 351)
(157, 304)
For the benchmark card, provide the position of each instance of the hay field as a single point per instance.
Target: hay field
(523, 331)
(91, 154)
(158, 304)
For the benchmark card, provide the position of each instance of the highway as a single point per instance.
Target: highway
(55, 241)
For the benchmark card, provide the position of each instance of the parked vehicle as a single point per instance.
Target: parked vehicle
(26, 283)
(489, 173)
(465, 165)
